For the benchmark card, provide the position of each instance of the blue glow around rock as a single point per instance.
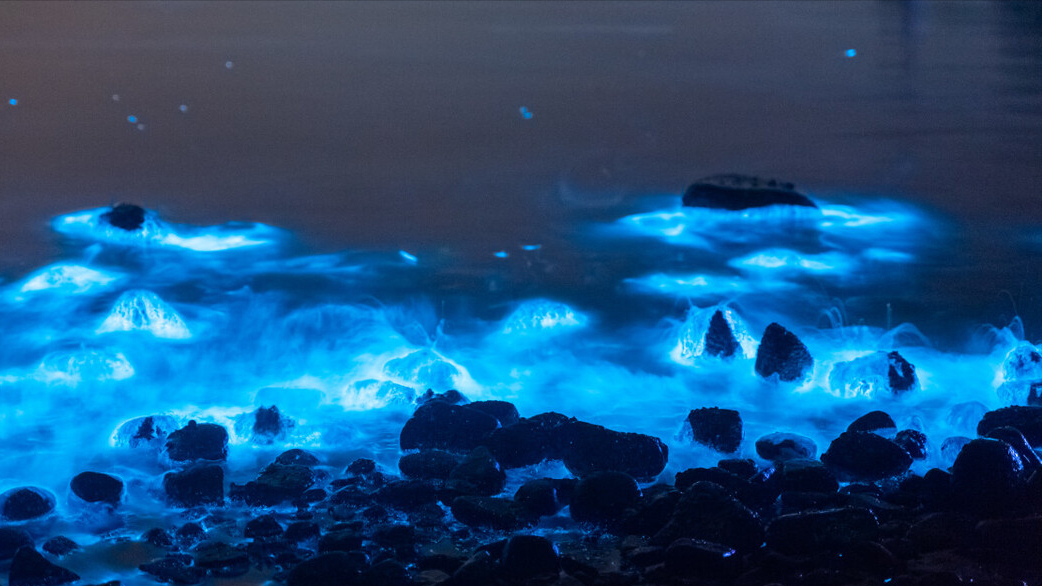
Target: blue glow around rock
(542, 315)
(423, 368)
(70, 368)
(141, 310)
(691, 335)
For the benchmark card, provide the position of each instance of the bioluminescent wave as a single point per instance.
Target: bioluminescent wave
(166, 323)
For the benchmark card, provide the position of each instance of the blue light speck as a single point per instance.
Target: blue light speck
(183, 108)
(132, 119)
(526, 113)
(851, 53)
(531, 247)
(228, 64)
(408, 257)
(13, 101)
(501, 254)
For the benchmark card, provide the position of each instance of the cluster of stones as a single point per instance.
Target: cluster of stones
(854, 515)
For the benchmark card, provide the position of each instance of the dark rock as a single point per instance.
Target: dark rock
(342, 540)
(531, 440)
(528, 556)
(11, 540)
(488, 512)
(479, 570)
(693, 557)
(602, 497)
(862, 455)
(913, 442)
(199, 485)
(329, 569)
(268, 424)
(654, 511)
(986, 477)
(361, 467)
(1035, 394)
(158, 537)
(221, 559)
(60, 546)
(875, 421)
(646, 556)
(198, 441)
(741, 192)
(807, 476)
(798, 502)
(720, 429)
(277, 483)
(719, 339)
(830, 530)
(937, 531)
(95, 487)
(782, 353)
(190, 534)
(1017, 441)
(263, 526)
(731, 482)
(593, 448)
(428, 464)
(125, 216)
(407, 495)
(386, 573)
(28, 502)
(504, 412)
(174, 569)
(451, 397)
(741, 467)
(936, 492)
(301, 531)
(298, 457)
(441, 426)
(705, 511)
(542, 497)
(1026, 420)
(29, 568)
(778, 447)
(401, 538)
(901, 374)
(478, 474)
(1013, 541)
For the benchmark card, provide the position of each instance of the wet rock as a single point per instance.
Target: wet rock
(95, 487)
(386, 573)
(720, 429)
(782, 353)
(862, 455)
(741, 467)
(345, 540)
(593, 448)
(875, 421)
(936, 491)
(1017, 441)
(528, 556)
(407, 495)
(654, 511)
(807, 476)
(158, 537)
(361, 467)
(880, 374)
(504, 412)
(451, 397)
(198, 441)
(693, 557)
(478, 474)
(263, 526)
(174, 569)
(913, 442)
(1013, 541)
(901, 374)
(298, 457)
(190, 534)
(543, 497)
(603, 497)
(706, 512)
(277, 483)
(329, 569)
(779, 447)
(221, 559)
(11, 540)
(937, 531)
(125, 216)
(441, 426)
(301, 531)
(150, 431)
(809, 532)
(741, 192)
(60, 546)
(199, 485)
(479, 570)
(531, 440)
(488, 512)
(719, 339)
(29, 568)
(986, 477)
(267, 424)
(428, 464)
(28, 502)
(1026, 420)
(731, 482)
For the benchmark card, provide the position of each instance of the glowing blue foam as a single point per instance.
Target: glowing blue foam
(705, 287)
(691, 335)
(864, 377)
(425, 368)
(75, 367)
(183, 107)
(73, 279)
(141, 310)
(90, 225)
(784, 260)
(541, 315)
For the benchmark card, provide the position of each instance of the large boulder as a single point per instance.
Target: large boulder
(504, 412)
(876, 421)
(95, 487)
(198, 441)
(531, 440)
(865, 456)
(1026, 420)
(720, 429)
(603, 497)
(913, 442)
(542, 497)
(428, 464)
(439, 425)
(705, 511)
(987, 477)
(27, 502)
(719, 339)
(741, 192)
(477, 474)
(593, 448)
(782, 353)
(30, 568)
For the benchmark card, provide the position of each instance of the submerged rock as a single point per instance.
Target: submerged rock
(865, 456)
(720, 429)
(779, 447)
(199, 485)
(95, 487)
(782, 353)
(198, 441)
(441, 426)
(125, 216)
(30, 568)
(1027, 420)
(719, 339)
(28, 502)
(740, 192)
